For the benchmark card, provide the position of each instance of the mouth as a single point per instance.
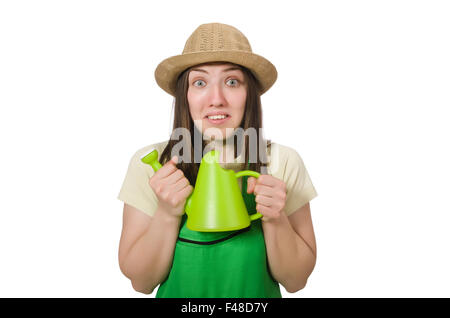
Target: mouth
(217, 119)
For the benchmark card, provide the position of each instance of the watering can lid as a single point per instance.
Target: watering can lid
(214, 155)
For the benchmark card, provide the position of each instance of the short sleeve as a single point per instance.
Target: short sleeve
(299, 187)
(136, 190)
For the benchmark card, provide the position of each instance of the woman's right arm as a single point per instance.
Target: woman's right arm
(147, 243)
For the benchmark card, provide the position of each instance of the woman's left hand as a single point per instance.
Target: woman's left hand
(270, 196)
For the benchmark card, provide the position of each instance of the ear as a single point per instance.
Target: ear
(251, 183)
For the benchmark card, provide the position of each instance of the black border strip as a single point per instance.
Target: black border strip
(216, 241)
(401, 307)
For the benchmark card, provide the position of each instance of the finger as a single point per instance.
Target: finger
(268, 180)
(180, 184)
(168, 168)
(251, 182)
(187, 191)
(264, 200)
(174, 177)
(174, 160)
(264, 190)
(265, 211)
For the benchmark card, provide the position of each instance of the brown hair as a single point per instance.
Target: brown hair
(182, 118)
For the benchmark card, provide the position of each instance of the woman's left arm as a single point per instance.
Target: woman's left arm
(290, 241)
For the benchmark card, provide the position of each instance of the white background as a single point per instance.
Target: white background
(362, 95)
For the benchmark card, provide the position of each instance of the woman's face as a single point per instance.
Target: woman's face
(216, 96)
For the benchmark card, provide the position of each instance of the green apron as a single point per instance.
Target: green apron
(221, 264)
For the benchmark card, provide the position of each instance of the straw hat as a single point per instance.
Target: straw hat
(215, 42)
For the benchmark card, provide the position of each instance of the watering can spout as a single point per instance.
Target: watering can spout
(151, 158)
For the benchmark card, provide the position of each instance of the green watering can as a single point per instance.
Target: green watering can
(216, 204)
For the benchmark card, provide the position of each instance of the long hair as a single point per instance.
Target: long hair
(252, 119)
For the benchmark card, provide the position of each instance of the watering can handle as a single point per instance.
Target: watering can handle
(251, 174)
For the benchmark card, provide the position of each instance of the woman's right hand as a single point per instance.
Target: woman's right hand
(171, 187)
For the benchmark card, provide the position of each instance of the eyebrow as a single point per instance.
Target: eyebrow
(225, 70)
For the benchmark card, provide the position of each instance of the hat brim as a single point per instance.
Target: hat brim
(167, 72)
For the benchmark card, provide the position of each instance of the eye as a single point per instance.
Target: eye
(234, 82)
(199, 81)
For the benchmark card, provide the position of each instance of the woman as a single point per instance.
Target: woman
(217, 82)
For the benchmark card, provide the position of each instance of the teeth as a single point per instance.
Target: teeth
(217, 117)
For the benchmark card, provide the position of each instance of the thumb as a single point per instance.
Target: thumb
(174, 160)
(251, 183)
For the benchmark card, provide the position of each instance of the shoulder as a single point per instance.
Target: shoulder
(283, 158)
(283, 150)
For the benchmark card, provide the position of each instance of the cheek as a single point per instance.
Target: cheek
(239, 104)
(194, 105)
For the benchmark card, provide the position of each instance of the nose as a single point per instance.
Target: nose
(216, 95)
